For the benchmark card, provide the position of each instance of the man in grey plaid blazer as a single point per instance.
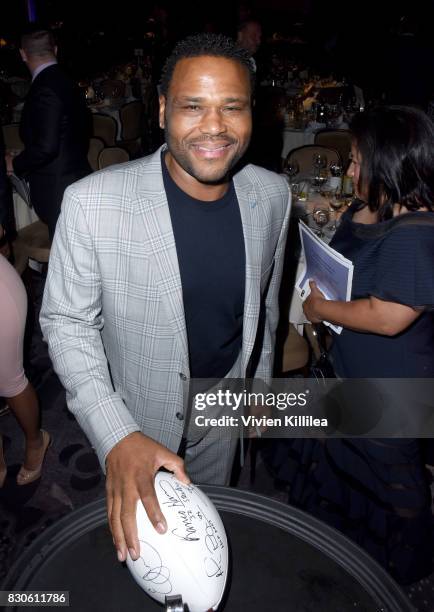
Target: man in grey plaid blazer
(113, 311)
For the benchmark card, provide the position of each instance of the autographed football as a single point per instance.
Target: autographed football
(191, 558)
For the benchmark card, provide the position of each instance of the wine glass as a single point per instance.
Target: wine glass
(336, 168)
(319, 161)
(321, 216)
(291, 169)
(320, 174)
(320, 179)
(336, 202)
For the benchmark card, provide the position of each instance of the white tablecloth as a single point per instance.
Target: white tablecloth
(23, 214)
(295, 138)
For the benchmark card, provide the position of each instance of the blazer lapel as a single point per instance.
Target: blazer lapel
(159, 244)
(253, 241)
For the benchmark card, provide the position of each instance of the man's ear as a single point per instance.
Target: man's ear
(55, 50)
(162, 102)
(23, 55)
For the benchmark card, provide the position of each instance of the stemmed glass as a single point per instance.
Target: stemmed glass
(319, 169)
(291, 169)
(321, 216)
(336, 202)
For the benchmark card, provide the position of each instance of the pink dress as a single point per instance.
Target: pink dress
(13, 312)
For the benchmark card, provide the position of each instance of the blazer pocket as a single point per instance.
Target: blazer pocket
(266, 276)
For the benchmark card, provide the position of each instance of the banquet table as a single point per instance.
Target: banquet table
(111, 107)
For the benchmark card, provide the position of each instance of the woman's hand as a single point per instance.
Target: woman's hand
(313, 303)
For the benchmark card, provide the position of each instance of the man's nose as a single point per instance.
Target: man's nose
(213, 122)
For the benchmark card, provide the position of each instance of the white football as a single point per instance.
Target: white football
(191, 558)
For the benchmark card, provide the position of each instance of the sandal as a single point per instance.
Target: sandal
(26, 476)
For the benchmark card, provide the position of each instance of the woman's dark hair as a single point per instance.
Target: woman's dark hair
(396, 145)
(215, 45)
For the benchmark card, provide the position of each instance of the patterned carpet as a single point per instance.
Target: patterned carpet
(72, 476)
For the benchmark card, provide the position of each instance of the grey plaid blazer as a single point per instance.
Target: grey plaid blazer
(112, 312)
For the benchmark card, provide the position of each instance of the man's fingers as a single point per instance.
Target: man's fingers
(109, 504)
(176, 465)
(152, 507)
(129, 525)
(117, 531)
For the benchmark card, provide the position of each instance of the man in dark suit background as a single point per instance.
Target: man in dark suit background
(55, 128)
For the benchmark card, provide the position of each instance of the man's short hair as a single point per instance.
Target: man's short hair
(198, 45)
(38, 43)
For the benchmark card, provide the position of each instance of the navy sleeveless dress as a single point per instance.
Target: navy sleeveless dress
(376, 491)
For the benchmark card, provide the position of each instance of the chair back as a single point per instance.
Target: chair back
(304, 156)
(96, 145)
(33, 240)
(11, 137)
(340, 140)
(105, 128)
(112, 155)
(131, 119)
(112, 88)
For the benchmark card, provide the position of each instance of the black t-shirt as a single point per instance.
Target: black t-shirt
(210, 247)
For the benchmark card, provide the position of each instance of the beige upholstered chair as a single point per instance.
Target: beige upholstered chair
(33, 242)
(295, 351)
(105, 128)
(340, 140)
(304, 156)
(96, 145)
(112, 155)
(11, 136)
(131, 117)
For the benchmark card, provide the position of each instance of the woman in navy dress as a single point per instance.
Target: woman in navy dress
(377, 491)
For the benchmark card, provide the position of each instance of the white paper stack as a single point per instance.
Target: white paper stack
(331, 271)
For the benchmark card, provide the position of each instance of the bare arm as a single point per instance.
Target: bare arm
(365, 315)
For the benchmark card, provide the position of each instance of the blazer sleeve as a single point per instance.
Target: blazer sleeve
(264, 368)
(45, 114)
(71, 321)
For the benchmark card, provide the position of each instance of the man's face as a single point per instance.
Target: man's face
(251, 37)
(206, 118)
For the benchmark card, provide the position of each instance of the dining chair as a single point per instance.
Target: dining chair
(11, 136)
(335, 139)
(295, 351)
(131, 118)
(112, 155)
(105, 128)
(96, 145)
(304, 157)
(33, 241)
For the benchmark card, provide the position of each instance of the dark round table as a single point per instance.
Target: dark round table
(281, 560)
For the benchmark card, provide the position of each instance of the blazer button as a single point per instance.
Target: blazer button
(182, 376)
(179, 416)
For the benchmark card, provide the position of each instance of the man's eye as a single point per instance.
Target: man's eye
(232, 108)
(192, 107)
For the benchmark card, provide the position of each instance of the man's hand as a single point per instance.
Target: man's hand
(312, 302)
(9, 165)
(131, 467)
